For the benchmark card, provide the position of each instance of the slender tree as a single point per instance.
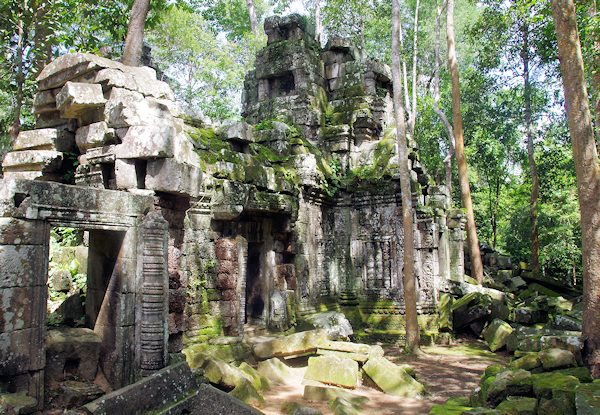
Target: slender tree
(535, 181)
(465, 191)
(586, 169)
(436, 98)
(19, 64)
(134, 42)
(318, 20)
(252, 14)
(408, 275)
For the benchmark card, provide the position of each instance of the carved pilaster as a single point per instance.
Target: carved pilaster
(153, 293)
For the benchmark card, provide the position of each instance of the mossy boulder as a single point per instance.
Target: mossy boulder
(453, 406)
(221, 373)
(554, 385)
(496, 333)
(197, 354)
(528, 362)
(322, 393)
(294, 344)
(333, 370)
(587, 399)
(518, 405)
(294, 408)
(392, 379)
(340, 406)
(556, 407)
(556, 359)
(495, 389)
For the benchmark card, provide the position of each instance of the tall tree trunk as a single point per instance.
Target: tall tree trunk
(15, 127)
(465, 191)
(404, 73)
(134, 42)
(436, 100)
(587, 171)
(318, 21)
(252, 14)
(408, 275)
(535, 182)
(595, 69)
(413, 112)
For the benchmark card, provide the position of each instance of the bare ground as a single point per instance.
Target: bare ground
(447, 371)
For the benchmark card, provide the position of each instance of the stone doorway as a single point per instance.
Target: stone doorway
(256, 294)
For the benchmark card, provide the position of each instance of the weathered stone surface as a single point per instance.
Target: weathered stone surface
(75, 394)
(495, 389)
(528, 362)
(169, 176)
(496, 333)
(197, 354)
(294, 408)
(334, 323)
(556, 358)
(294, 344)
(258, 381)
(333, 370)
(274, 370)
(94, 135)
(72, 345)
(246, 392)
(354, 348)
(392, 379)
(173, 387)
(45, 139)
(20, 403)
(219, 372)
(210, 400)
(143, 142)
(128, 108)
(241, 131)
(45, 161)
(555, 385)
(75, 99)
(518, 405)
(322, 393)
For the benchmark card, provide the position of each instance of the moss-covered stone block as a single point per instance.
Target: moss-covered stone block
(581, 373)
(528, 362)
(392, 379)
(556, 358)
(554, 385)
(333, 370)
(246, 392)
(494, 389)
(258, 381)
(274, 370)
(20, 403)
(518, 405)
(496, 333)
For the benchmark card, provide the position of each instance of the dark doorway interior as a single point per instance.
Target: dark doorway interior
(255, 303)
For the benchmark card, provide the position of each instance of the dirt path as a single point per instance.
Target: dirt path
(446, 371)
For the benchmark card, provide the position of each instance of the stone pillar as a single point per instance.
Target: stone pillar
(152, 327)
(200, 264)
(23, 297)
(456, 227)
(444, 248)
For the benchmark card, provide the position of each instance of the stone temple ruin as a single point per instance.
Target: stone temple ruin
(195, 231)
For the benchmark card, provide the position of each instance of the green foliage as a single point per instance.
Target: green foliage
(206, 70)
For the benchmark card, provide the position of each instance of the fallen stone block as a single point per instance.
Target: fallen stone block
(294, 408)
(75, 99)
(274, 370)
(94, 135)
(246, 392)
(555, 385)
(129, 109)
(528, 362)
(172, 388)
(494, 389)
(258, 381)
(292, 345)
(340, 406)
(496, 333)
(45, 139)
(75, 394)
(220, 373)
(392, 379)
(333, 370)
(518, 405)
(556, 359)
(328, 393)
